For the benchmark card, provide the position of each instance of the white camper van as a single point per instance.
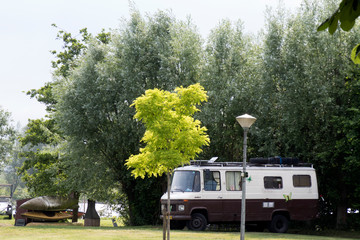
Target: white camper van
(278, 190)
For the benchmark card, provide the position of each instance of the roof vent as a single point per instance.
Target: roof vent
(213, 159)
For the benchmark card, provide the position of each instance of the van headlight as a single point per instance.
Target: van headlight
(181, 207)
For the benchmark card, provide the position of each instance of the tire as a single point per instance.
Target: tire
(177, 225)
(259, 160)
(279, 224)
(198, 222)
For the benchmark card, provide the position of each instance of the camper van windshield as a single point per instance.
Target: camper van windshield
(186, 181)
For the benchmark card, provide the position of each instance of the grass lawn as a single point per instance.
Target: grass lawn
(107, 231)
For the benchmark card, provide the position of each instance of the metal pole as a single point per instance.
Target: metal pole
(243, 199)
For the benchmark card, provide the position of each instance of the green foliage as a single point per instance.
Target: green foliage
(10, 158)
(14, 162)
(43, 170)
(347, 12)
(308, 97)
(172, 136)
(347, 125)
(47, 165)
(355, 57)
(44, 95)
(72, 49)
(41, 131)
(93, 104)
(7, 135)
(230, 75)
(296, 81)
(66, 60)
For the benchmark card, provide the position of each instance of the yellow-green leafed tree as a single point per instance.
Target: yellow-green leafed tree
(172, 137)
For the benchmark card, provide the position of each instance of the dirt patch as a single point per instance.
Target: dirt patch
(53, 224)
(6, 225)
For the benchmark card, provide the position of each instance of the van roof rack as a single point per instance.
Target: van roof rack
(275, 160)
(204, 162)
(255, 162)
(219, 164)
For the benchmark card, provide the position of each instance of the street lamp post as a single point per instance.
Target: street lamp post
(245, 121)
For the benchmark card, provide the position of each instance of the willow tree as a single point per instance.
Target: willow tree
(230, 73)
(308, 98)
(157, 51)
(172, 137)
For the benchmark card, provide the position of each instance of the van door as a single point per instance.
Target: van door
(212, 195)
(232, 196)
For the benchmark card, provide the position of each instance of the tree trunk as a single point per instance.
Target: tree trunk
(168, 206)
(164, 224)
(75, 216)
(128, 188)
(341, 210)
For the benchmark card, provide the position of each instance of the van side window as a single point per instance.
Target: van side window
(233, 181)
(211, 181)
(273, 183)
(301, 180)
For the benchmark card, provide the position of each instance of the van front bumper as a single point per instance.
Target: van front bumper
(178, 217)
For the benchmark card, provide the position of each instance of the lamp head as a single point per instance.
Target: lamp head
(246, 120)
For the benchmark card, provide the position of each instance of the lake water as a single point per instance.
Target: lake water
(104, 210)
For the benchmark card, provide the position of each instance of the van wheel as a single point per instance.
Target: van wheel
(197, 223)
(279, 224)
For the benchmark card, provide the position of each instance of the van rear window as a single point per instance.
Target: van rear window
(301, 180)
(273, 182)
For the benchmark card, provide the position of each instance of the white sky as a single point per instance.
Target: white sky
(26, 35)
